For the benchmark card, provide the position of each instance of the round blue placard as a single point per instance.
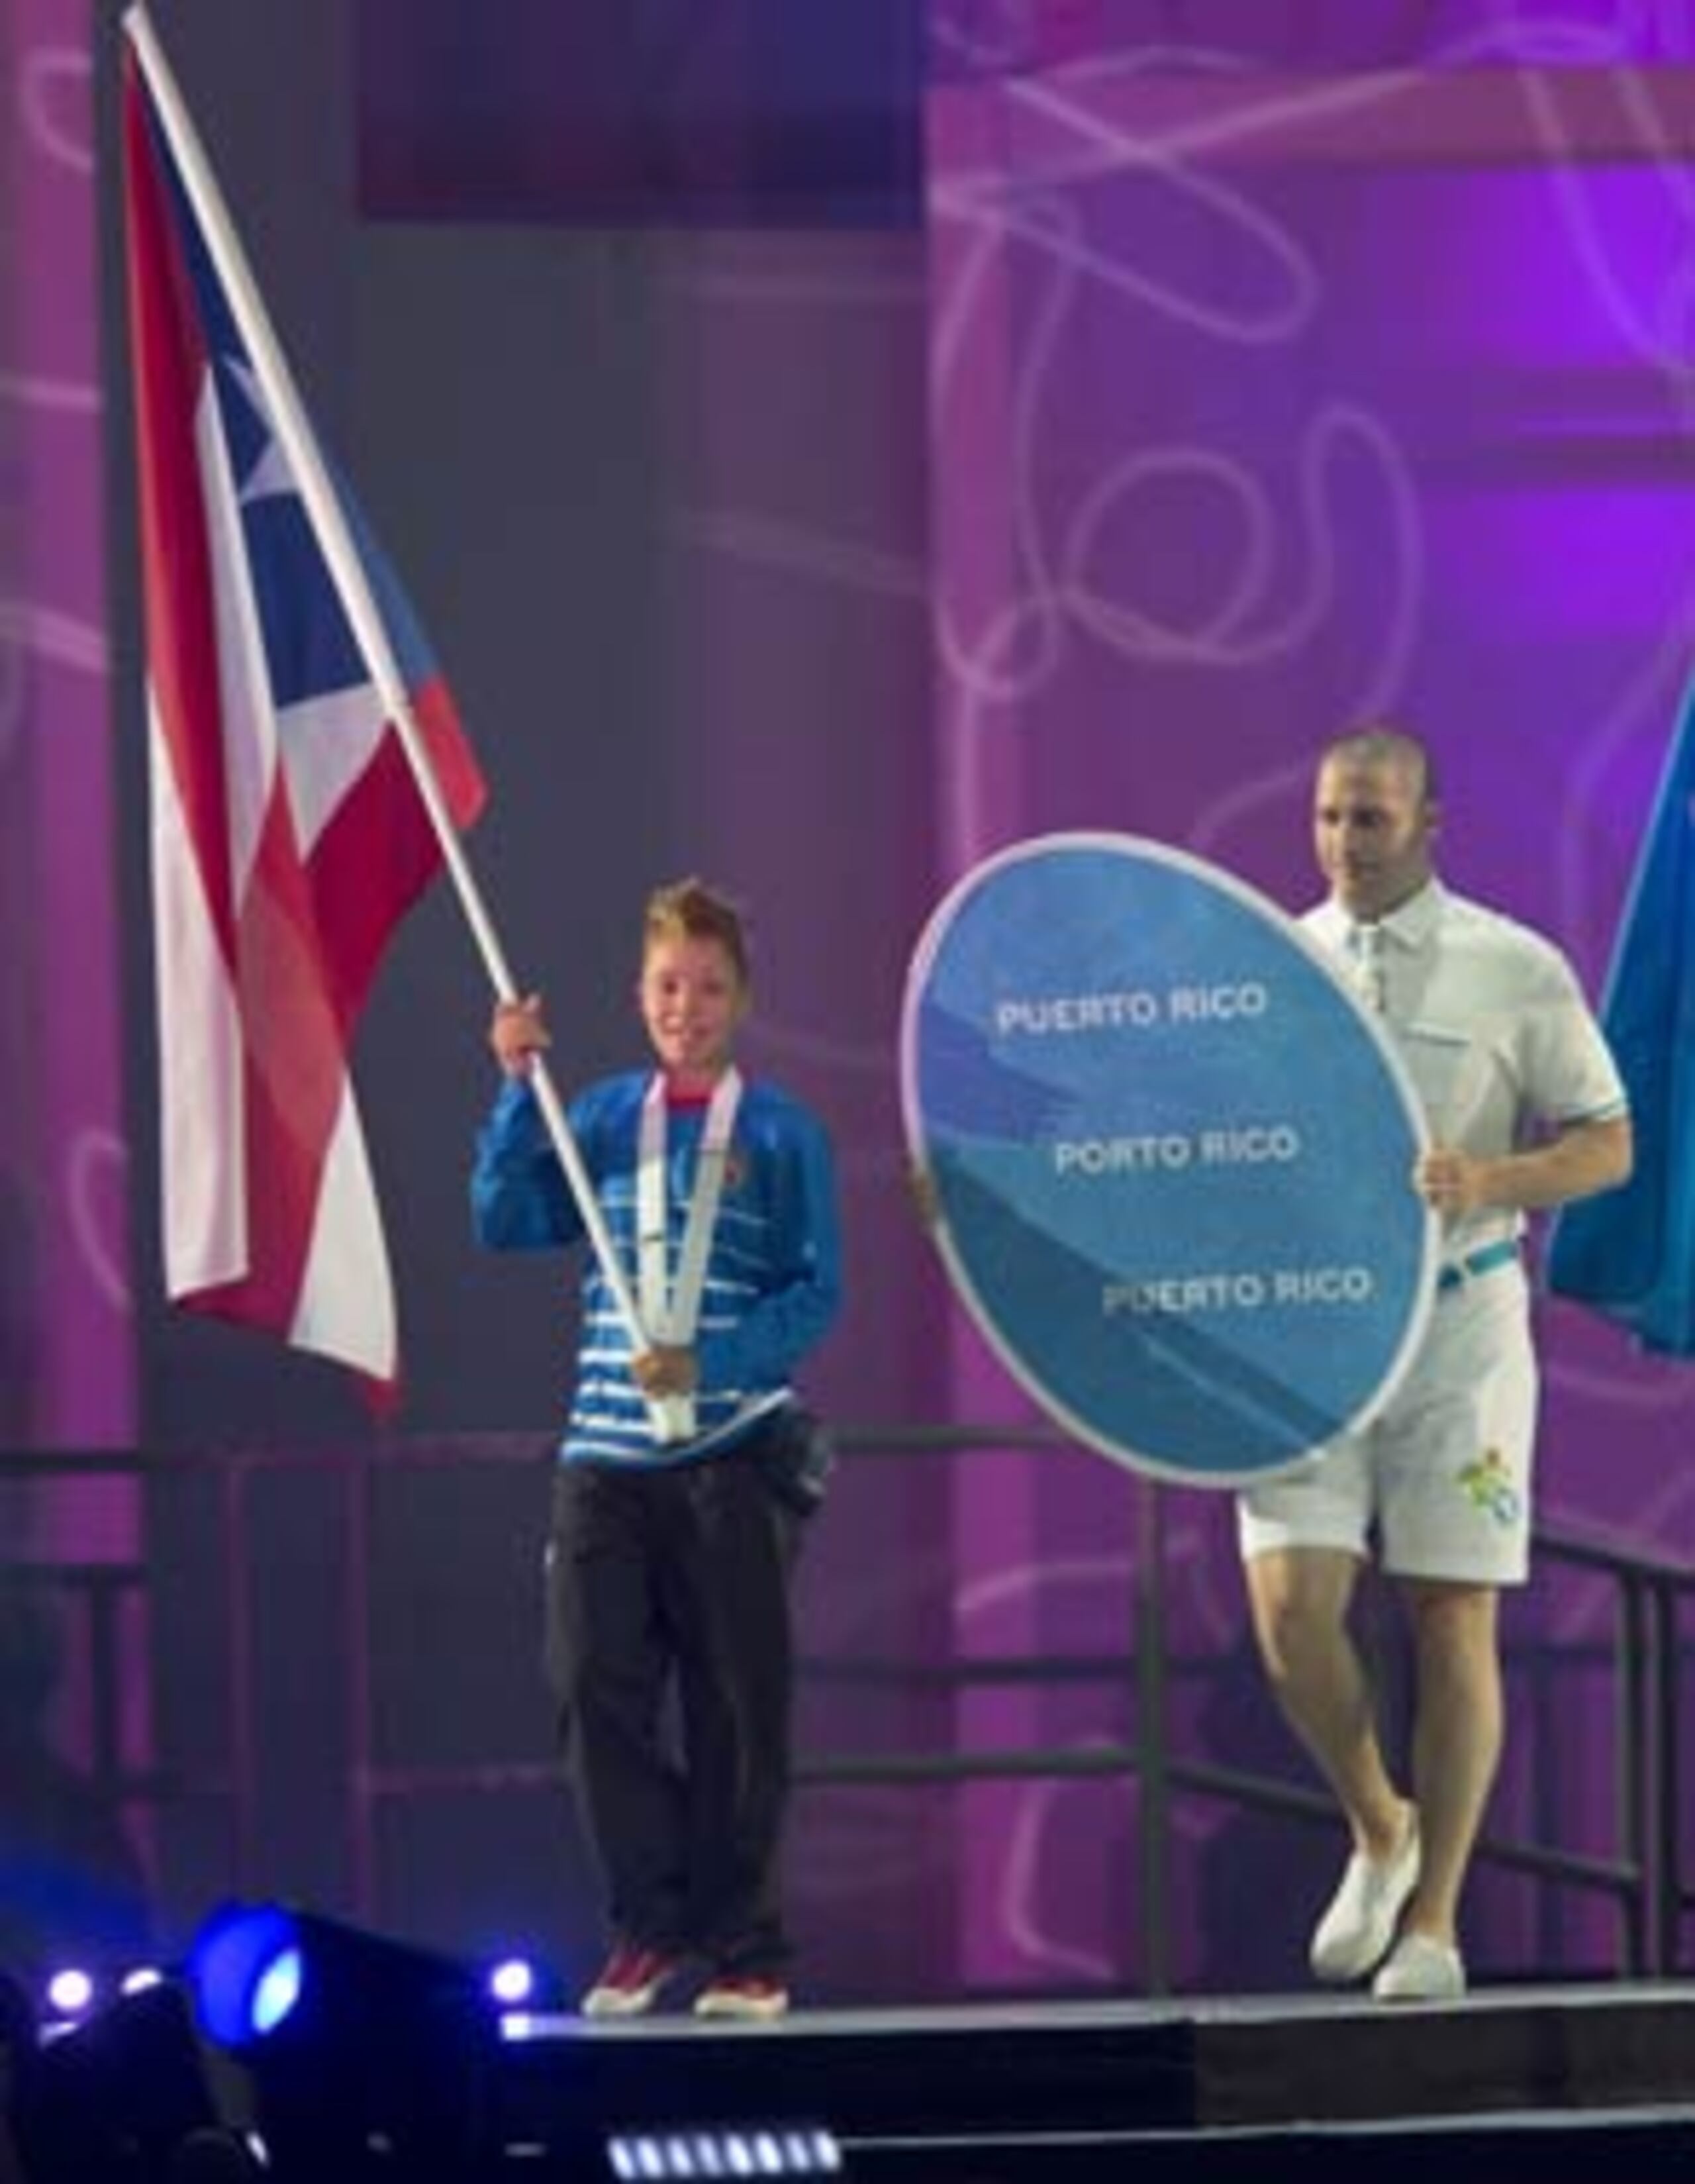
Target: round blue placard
(1171, 1154)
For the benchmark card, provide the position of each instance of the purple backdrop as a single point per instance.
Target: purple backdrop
(66, 1364)
(64, 1332)
(1264, 401)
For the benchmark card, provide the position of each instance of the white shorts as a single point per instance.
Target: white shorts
(1443, 1473)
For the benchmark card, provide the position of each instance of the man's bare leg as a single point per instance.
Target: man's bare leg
(1299, 1597)
(1456, 1739)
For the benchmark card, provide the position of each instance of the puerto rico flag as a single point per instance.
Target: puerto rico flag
(289, 833)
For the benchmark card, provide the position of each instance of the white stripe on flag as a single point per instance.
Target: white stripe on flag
(204, 1216)
(325, 744)
(247, 721)
(346, 1308)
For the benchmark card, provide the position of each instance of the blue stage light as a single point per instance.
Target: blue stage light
(278, 1991)
(245, 1972)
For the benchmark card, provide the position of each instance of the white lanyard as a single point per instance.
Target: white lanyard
(670, 1311)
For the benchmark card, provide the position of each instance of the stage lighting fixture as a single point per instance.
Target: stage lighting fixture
(512, 1982)
(729, 2152)
(524, 1986)
(70, 1992)
(127, 2093)
(360, 2047)
(244, 1971)
(17, 2059)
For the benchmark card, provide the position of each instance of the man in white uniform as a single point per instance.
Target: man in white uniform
(1525, 1110)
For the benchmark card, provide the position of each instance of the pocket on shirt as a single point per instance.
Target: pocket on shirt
(1453, 1074)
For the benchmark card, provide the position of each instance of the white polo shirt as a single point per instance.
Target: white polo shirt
(1493, 1028)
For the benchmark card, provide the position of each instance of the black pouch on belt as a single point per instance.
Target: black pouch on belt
(796, 1455)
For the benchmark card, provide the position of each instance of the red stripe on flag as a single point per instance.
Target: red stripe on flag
(181, 640)
(377, 852)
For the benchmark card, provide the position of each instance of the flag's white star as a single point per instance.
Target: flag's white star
(270, 474)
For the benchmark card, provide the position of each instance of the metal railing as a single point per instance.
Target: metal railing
(1645, 1878)
(1644, 1875)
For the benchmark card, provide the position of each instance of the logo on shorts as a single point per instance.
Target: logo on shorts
(1488, 1485)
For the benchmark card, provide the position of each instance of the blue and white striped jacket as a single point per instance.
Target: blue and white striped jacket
(773, 1277)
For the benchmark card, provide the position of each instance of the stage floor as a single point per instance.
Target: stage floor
(1496, 2086)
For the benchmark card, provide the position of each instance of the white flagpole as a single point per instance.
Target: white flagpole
(346, 572)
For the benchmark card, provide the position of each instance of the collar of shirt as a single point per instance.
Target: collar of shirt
(1409, 925)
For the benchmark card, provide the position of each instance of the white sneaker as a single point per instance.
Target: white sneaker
(1420, 1969)
(1355, 1932)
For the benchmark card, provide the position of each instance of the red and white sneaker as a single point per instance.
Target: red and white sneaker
(752, 1998)
(630, 1981)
